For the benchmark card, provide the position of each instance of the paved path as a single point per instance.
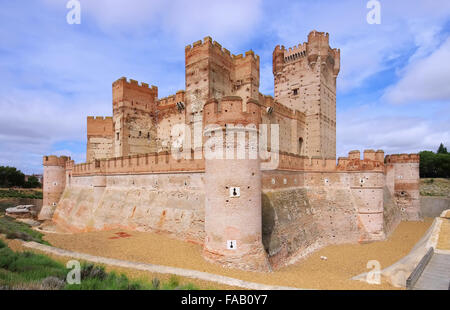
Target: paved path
(156, 268)
(436, 275)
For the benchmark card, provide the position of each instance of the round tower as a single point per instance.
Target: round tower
(53, 184)
(233, 222)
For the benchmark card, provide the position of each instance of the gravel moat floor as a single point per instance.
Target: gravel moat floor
(343, 261)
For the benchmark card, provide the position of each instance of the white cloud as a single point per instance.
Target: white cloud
(424, 79)
(374, 127)
(186, 21)
(54, 74)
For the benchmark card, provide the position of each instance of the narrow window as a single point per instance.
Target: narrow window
(295, 92)
(300, 146)
(117, 135)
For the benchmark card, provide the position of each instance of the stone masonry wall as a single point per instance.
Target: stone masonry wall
(169, 203)
(99, 138)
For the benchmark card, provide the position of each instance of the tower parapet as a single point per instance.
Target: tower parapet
(54, 184)
(131, 94)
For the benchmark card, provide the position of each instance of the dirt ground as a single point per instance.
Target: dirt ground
(343, 261)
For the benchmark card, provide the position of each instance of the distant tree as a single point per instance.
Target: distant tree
(32, 182)
(10, 177)
(442, 149)
(435, 165)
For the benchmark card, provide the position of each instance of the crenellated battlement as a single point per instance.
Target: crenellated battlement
(317, 36)
(320, 164)
(232, 110)
(53, 160)
(131, 94)
(99, 118)
(69, 165)
(123, 81)
(402, 158)
(162, 162)
(99, 126)
(294, 162)
(172, 99)
(295, 53)
(206, 44)
(371, 161)
(218, 50)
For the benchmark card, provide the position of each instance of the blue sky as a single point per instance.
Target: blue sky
(393, 91)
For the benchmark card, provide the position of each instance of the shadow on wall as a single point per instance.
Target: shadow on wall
(269, 240)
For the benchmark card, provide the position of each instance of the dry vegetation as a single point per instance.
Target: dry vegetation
(435, 187)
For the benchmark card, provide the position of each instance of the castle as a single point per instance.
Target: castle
(249, 212)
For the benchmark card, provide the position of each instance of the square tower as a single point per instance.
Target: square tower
(134, 108)
(213, 73)
(305, 80)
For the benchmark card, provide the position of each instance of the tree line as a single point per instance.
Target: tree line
(435, 165)
(12, 177)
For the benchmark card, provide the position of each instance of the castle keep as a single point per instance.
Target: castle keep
(248, 211)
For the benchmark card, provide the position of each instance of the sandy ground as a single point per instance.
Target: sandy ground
(343, 261)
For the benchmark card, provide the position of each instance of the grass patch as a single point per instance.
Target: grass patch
(28, 270)
(17, 230)
(94, 277)
(21, 193)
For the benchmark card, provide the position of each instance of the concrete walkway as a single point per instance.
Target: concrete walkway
(436, 275)
(155, 268)
(438, 238)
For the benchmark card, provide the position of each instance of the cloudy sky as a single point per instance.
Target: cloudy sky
(393, 90)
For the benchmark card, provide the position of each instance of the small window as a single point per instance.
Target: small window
(117, 136)
(140, 133)
(295, 92)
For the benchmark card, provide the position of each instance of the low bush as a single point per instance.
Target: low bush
(17, 230)
(28, 270)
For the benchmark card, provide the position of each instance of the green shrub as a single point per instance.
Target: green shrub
(28, 270)
(90, 271)
(17, 230)
(12, 193)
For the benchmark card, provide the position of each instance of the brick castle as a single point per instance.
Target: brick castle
(246, 213)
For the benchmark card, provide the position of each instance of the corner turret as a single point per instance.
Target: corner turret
(54, 184)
